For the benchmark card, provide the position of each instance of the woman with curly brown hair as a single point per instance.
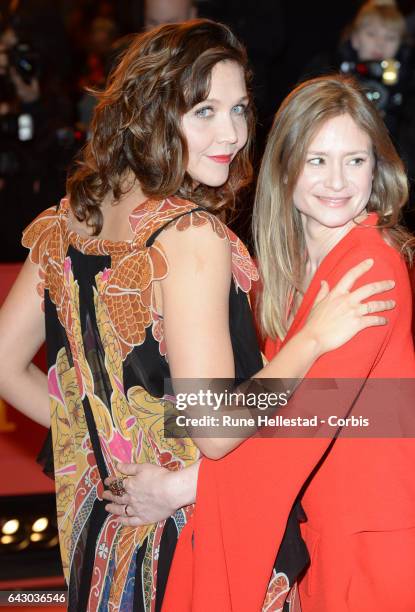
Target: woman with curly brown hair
(140, 282)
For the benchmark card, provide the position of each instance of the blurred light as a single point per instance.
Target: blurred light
(390, 71)
(390, 77)
(40, 525)
(52, 542)
(23, 544)
(25, 127)
(7, 539)
(10, 527)
(36, 537)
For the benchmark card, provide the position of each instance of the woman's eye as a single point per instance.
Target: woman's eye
(204, 112)
(357, 161)
(316, 161)
(240, 109)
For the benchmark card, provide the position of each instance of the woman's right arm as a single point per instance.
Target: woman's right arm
(196, 321)
(22, 333)
(195, 296)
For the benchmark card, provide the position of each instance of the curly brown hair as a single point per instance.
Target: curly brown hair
(137, 122)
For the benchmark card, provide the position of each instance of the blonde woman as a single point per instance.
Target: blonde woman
(330, 191)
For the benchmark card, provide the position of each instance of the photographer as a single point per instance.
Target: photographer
(36, 135)
(375, 50)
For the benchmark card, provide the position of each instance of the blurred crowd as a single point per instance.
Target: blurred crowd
(54, 53)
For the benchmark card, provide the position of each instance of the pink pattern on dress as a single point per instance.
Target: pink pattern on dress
(116, 449)
(53, 385)
(124, 295)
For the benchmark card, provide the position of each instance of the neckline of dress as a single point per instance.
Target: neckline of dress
(369, 221)
(88, 242)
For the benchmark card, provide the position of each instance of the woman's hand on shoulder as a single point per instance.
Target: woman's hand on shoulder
(338, 315)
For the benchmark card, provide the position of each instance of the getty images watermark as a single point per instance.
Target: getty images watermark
(279, 408)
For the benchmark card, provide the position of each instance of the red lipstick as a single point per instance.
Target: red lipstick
(221, 159)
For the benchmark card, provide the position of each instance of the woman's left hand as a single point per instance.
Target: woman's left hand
(148, 494)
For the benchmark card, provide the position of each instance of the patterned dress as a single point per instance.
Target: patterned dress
(107, 367)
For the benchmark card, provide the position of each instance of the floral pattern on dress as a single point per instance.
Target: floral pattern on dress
(131, 429)
(127, 292)
(244, 271)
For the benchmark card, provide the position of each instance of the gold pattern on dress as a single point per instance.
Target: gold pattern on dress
(131, 429)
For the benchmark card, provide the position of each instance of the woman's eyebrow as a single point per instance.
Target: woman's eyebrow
(241, 99)
(360, 152)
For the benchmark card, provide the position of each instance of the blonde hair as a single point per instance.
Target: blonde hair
(386, 12)
(277, 227)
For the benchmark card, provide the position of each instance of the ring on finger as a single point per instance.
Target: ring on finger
(117, 486)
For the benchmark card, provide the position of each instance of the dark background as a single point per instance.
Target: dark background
(73, 40)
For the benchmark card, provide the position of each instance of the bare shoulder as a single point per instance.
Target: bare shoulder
(198, 237)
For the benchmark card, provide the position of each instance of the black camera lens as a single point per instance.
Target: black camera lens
(25, 60)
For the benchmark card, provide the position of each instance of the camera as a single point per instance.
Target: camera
(16, 128)
(381, 81)
(25, 60)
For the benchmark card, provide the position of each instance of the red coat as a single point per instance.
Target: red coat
(360, 502)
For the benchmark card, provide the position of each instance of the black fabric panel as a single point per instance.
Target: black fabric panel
(85, 270)
(293, 557)
(145, 367)
(78, 600)
(55, 333)
(139, 603)
(96, 445)
(167, 547)
(247, 356)
(158, 231)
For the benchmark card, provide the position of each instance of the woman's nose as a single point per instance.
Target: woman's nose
(335, 177)
(227, 131)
